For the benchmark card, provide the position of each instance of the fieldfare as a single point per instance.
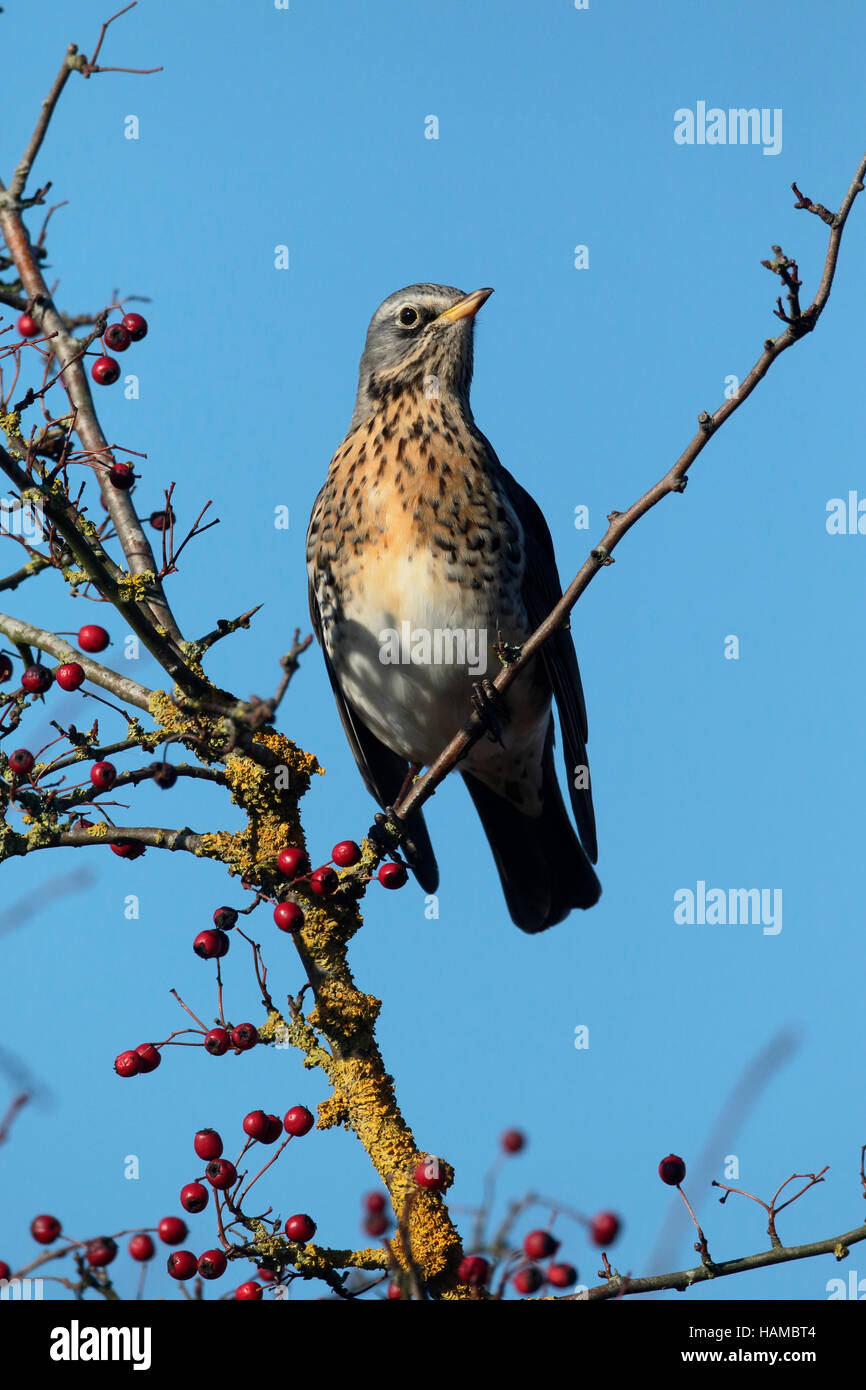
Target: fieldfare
(426, 557)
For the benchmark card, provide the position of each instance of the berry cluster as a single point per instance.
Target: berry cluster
(116, 338)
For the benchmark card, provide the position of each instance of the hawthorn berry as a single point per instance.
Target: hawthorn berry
(21, 762)
(211, 944)
(288, 916)
(161, 521)
(207, 1143)
(298, 1121)
(256, 1124)
(100, 1252)
(103, 776)
(292, 861)
(538, 1245)
(36, 679)
(604, 1228)
(274, 1130)
(45, 1229)
(194, 1197)
(136, 326)
(164, 774)
(346, 854)
(473, 1269)
(117, 337)
(212, 1264)
(220, 1173)
(105, 371)
(128, 1064)
(224, 918)
(375, 1202)
(392, 875)
(672, 1170)
(512, 1141)
(395, 1289)
(172, 1230)
(27, 326)
(69, 676)
(217, 1042)
(430, 1174)
(92, 638)
(5, 667)
(562, 1276)
(250, 1290)
(376, 1224)
(5, 1270)
(324, 880)
(121, 476)
(127, 849)
(300, 1228)
(244, 1036)
(141, 1247)
(182, 1264)
(528, 1280)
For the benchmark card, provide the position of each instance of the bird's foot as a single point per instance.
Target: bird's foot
(485, 699)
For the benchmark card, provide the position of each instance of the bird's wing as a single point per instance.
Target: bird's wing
(383, 771)
(541, 591)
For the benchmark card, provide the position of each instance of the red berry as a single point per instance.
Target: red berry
(5, 1270)
(69, 676)
(105, 371)
(291, 862)
(224, 918)
(36, 679)
(274, 1130)
(21, 762)
(245, 1036)
(182, 1264)
(257, 1124)
(298, 1121)
(164, 774)
(161, 521)
(220, 1173)
(28, 327)
(672, 1170)
(395, 1289)
(150, 1056)
(323, 881)
(141, 1247)
(212, 1264)
(538, 1245)
(92, 638)
(211, 944)
(288, 916)
(128, 1064)
(121, 476)
(135, 325)
(194, 1197)
(605, 1228)
(528, 1280)
(267, 1276)
(249, 1290)
(103, 776)
(346, 853)
(561, 1276)
(429, 1173)
(207, 1143)
(217, 1042)
(45, 1229)
(473, 1269)
(374, 1202)
(117, 337)
(100, 1252)
(5, 667)
(300, 1228)
(376, 1224)
(512, 1141)
(392, 875)
(127, 849)
(172, 1230)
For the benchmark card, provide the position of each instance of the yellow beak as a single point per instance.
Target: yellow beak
(465, 308)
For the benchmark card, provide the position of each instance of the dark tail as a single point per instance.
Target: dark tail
(543, 867)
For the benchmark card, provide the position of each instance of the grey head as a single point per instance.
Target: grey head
(420, 338)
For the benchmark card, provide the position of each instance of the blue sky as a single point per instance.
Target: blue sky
(306, 128)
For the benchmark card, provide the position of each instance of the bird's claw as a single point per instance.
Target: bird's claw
(485, 698)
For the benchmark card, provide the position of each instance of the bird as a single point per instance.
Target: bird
(426, 559)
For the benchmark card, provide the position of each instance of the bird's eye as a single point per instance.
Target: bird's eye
(408, 316)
